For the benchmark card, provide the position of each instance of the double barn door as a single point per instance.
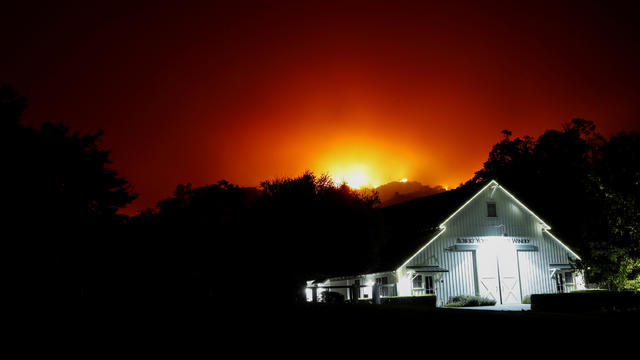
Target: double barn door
(498, 273)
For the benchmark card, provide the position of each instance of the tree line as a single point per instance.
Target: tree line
(586, 186)
(224, 240)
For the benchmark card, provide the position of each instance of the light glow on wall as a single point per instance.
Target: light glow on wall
(498, 245)
(403, 283)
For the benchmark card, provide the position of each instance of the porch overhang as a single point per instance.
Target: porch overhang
(561, 267)
(427, 269)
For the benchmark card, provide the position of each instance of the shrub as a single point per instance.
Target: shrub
(527, 299)
(470, 300)
(332, 297)
(587, 301)
(428, 300)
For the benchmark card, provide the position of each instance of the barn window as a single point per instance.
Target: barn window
(559, 282)
(428, 285)
(491, 210)
(422, 285)
(384, 290)
(564, 282)
(417, 282)
(569, 282)
(568, 278)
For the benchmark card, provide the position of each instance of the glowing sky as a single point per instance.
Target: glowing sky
(370, 91)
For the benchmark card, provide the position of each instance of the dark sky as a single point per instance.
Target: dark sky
(371, 91)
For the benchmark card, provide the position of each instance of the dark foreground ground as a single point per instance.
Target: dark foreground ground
(314, 330)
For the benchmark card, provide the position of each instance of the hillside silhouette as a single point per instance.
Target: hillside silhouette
(396, 192)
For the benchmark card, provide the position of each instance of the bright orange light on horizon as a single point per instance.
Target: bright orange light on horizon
(365, 162)
(366, 94)
(356, 176)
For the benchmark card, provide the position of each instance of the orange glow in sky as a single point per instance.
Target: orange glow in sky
(368, 92)
(361, 163)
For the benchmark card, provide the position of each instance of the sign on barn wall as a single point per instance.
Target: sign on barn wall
(484, 239)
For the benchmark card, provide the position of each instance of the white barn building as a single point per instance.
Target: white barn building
(487, 244)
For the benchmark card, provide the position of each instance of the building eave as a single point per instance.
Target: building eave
(443, 227)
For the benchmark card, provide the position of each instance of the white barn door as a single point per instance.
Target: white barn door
(509, 277)
(498, 273)
(488, 281)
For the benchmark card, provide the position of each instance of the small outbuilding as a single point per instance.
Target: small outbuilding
(460, 242)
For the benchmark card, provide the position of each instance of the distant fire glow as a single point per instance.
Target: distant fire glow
(356, 176)
(366, 162)
(368, 94)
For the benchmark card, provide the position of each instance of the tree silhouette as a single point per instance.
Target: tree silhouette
(290, 229)
(616, 187)
(586, 187)
(12, 105)
(506, 134)
(317, 229)
(63, 196)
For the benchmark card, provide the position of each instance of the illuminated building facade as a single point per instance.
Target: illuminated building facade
(485, 243)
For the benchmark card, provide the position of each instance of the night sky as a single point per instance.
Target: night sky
(369, 91)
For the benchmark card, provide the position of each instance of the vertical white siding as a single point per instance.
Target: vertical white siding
(472, 221)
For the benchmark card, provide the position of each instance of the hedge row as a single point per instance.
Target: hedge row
(422, 300)
(592, 301)
(470, 300)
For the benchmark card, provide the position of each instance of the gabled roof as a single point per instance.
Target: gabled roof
(413, 225)
(409, 225)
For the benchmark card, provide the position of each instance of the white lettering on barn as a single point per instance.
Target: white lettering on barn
(483, 239)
